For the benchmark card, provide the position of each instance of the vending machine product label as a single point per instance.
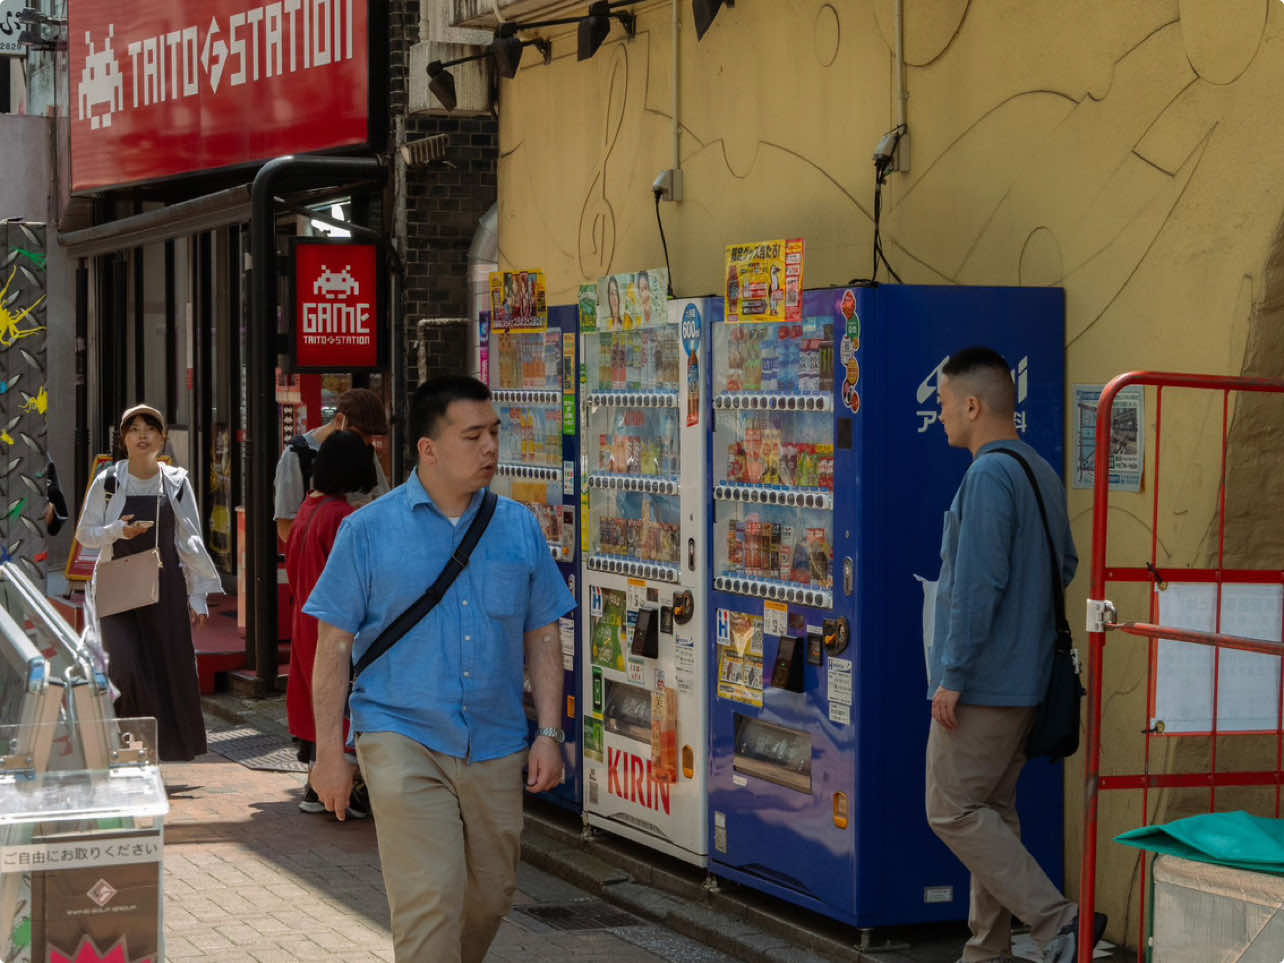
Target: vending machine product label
(848, 347)
(567, 629)
(588, 307)
(684, 662)
(840, 691)
(691, 335)
(568, 478)
(764, 281)
(775, 618)
(637, 672)
(568, 384)
(637, 593)
(608, 630)
(740, 659)
(593, 739)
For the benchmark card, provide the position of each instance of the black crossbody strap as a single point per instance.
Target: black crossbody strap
(408, 619)
(1058, 589)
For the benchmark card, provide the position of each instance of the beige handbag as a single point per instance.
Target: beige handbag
(122, 584)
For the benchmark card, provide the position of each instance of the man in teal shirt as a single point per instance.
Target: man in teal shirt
(438, 719)
(991, 659)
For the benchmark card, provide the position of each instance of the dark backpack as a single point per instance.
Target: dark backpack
(306, 454)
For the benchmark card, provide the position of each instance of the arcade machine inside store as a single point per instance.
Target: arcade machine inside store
(533, 387)
(644, 565)
(830, 477)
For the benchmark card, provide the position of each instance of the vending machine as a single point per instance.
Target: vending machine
(830, 477)
(534, 390)
(645, 578)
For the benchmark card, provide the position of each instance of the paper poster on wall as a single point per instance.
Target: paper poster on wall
(638, 300)
(740, 658)
(763, 281)
(1248, 683)
(1127, 437)
(518, 301)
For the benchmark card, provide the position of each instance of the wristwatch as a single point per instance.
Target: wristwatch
(557, 735)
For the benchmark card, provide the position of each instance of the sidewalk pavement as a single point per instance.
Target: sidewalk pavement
(250, 877)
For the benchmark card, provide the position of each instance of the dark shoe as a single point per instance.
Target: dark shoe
(311, 801)
(359, 801)
(1064, 947)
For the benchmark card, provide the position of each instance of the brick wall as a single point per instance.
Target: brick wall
(443, 206)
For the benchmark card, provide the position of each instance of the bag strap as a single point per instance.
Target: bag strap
(408, 619)
(1064, 642)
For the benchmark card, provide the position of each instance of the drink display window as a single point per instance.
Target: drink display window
(773, 461)
(526, 385)
(633, 422)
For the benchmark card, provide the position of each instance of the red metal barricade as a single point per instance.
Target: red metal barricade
(1101, 618)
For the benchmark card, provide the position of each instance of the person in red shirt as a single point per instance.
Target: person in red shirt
(343, 465)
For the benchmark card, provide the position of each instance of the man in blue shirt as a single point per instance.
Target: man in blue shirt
(991, 659)
(438, 720)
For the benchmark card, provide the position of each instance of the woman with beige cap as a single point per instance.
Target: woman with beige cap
(136, 505)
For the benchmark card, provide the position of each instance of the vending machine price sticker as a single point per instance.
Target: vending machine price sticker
(775, 618)
(568, 478)
(840, 681)
(567, 629)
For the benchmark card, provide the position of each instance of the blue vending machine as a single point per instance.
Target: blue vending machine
(830, 479)
(534, 386)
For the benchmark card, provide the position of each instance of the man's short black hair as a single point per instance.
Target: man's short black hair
(988, 374)
(434, 396)
(344, 464)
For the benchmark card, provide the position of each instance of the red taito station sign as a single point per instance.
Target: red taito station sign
(338, 305)
(167, 87)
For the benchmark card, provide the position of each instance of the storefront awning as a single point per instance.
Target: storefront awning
(205, 213)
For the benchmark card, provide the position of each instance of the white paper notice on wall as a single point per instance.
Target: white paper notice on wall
(1248, 683)
(840, 681)
(775, 618)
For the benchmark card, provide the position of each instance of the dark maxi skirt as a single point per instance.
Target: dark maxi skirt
(151, 659)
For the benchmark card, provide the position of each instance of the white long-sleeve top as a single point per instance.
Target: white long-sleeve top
(101, 525)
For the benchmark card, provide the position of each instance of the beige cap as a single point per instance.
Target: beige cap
(131, 413)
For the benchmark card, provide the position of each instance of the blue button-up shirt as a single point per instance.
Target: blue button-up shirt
(453, 683)
(995, 629)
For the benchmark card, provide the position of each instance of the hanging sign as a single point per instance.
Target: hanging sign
(167, 87)
(764, 281)
(338, 296)
(518, 301)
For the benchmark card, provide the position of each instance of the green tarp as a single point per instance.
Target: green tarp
(1236, 839)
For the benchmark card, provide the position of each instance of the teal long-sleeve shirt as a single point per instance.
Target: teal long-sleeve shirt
(995, 628)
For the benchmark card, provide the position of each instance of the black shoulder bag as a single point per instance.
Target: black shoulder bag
(1056, 720)
(408, 619)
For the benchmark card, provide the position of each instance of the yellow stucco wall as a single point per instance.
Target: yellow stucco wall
(1129, 150)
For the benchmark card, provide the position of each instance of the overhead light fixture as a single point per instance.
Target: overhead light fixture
(595, 27)
(442, 84)
(704, 12)
(507, 53)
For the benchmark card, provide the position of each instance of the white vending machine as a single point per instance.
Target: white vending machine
(644, 569)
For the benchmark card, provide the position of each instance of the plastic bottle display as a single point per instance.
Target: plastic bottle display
(768, 451)
(779, 358)
(638, 526)
(772, 544)
(641, 442)
(530, 435)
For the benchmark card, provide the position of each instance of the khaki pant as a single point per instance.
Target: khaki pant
(972, 775)
(449, 840)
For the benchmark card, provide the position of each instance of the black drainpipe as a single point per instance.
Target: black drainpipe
(261, 351)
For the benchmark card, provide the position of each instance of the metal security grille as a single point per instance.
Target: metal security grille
(585, 915)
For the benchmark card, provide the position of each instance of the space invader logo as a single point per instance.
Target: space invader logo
(101, 82)
(928, 387)
(336, 284)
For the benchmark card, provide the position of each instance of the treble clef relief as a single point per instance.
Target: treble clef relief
(597, 218)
